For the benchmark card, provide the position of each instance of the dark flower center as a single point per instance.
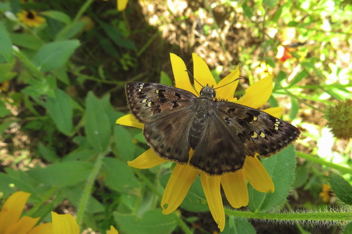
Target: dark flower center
(30, 15)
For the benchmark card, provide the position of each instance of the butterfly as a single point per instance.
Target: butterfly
(220, 133)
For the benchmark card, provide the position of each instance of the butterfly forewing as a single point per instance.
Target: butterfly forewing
(221, 133)
(151, 101)
(167, 114)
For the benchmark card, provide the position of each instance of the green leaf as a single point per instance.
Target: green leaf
(109, 109)
(303, 74)
(301, 177)
(58, 15)
(62, 174)
(5, 184)
(70, 31)
(124, 143)
(195, 200)
(54, 55)
(74, 195)
(341, 188)
(21, 180)
(4, 7)
(80, 155)
(140, 138)
(60, 110)
(107, 46)
(117, 37)
(37, 88)
(281, 76)
(5, 125)
(238, 225)
(153, 221)
(292, 24)
(47, 153)
(5, 44)
(273, 102)
(281, 169)
(277, 14)
(61, 75)
(294, 108)
(165, 79)
(26, 41)
(98, 126)
(120, 177)
(270, 61)
(3, 110)
(6, 71)
(347, 229)
(270, 3)
(248, 12)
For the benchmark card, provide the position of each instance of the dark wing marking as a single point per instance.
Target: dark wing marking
(151, 101)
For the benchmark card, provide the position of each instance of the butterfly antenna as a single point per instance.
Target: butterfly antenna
(194, 78)
(229, 83)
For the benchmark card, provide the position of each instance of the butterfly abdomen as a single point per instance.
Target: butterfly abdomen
(203, 110)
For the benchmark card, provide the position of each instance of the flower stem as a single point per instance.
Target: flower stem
(35, 71)
(325, 163)
(88, 188)
(183, 225)
(312, 217)
(82, 10)
(147, 182)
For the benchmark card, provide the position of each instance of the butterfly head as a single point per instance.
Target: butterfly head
(207, 92)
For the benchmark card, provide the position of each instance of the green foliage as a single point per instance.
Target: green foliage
(238, 225)
(281, 168)
(62, 90)
(152, 221)
(341, 188)
(5, 46)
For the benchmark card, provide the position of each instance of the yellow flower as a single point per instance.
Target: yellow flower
(325, 193)
(30, 18)
(67, 224)
(183, 175)
(10, 221)
(121, 4)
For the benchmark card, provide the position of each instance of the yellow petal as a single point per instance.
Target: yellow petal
(258, 93)
(211, 188)
(64, 223)
(257, 175)
(130, 120)
(229, 89)
(113, 230)
(235, 188)
(274, 111)
(201, 73)
(121, 4)
(44, 228)
(177, 187)
(180, 74)
(147, 160)
(12, 209)
(24, 225)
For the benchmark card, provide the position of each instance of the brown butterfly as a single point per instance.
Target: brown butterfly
(221, 133)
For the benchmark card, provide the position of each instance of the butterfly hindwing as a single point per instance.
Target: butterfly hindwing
(219, 150)
(258, 131)
(168, 135)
